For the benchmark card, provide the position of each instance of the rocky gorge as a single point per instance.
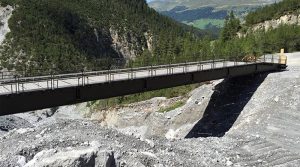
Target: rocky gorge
(247, 121)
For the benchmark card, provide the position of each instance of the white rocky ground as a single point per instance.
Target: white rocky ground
(248, 121)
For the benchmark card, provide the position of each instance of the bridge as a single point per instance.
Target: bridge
(21, 94)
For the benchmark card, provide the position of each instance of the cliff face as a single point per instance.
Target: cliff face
(5, 14)
(129, 46)
(292, 19)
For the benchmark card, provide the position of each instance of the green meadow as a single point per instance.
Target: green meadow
(203, 23)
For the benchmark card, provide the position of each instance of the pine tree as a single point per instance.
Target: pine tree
(231, 27)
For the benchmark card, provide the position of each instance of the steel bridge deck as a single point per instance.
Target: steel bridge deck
(33, 93)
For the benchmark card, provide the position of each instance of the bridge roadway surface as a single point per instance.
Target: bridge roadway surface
(76, 79)
(33, 93)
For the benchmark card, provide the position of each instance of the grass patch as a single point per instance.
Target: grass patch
(204, 23)
(173, 107)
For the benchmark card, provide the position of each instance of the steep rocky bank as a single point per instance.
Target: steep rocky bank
(289, 19)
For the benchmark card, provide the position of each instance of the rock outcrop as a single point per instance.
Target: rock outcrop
(290, 19)
(5, 14)
(130, 46)
(88, 157)
(269, 24)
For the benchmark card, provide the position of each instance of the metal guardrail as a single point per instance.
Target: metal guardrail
(15, 78)
(16, 84)
(12, 74)
(106, 64)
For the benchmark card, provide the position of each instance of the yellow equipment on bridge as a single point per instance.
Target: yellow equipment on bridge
(282, 58)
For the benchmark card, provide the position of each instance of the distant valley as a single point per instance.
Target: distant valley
(206, 14)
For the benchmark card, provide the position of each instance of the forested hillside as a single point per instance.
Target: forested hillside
(260, 42)
(68, 35)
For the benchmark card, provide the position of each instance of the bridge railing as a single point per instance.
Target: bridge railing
(110, 64)
(100, 65)
(53, 81)
(10, 75)
(102, 72)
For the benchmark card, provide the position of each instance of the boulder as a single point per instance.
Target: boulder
(80, 157)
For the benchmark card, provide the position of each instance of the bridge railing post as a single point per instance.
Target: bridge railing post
(53, 87)
(112, 77)
(24, 72)
(109, 75)
(151, 71)
(235, 61)
(82, 77)
(51, 79)
(186, 67)
(16, 84)
(18, 80)
(213, 61)
(106, 76)
(169, 68)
